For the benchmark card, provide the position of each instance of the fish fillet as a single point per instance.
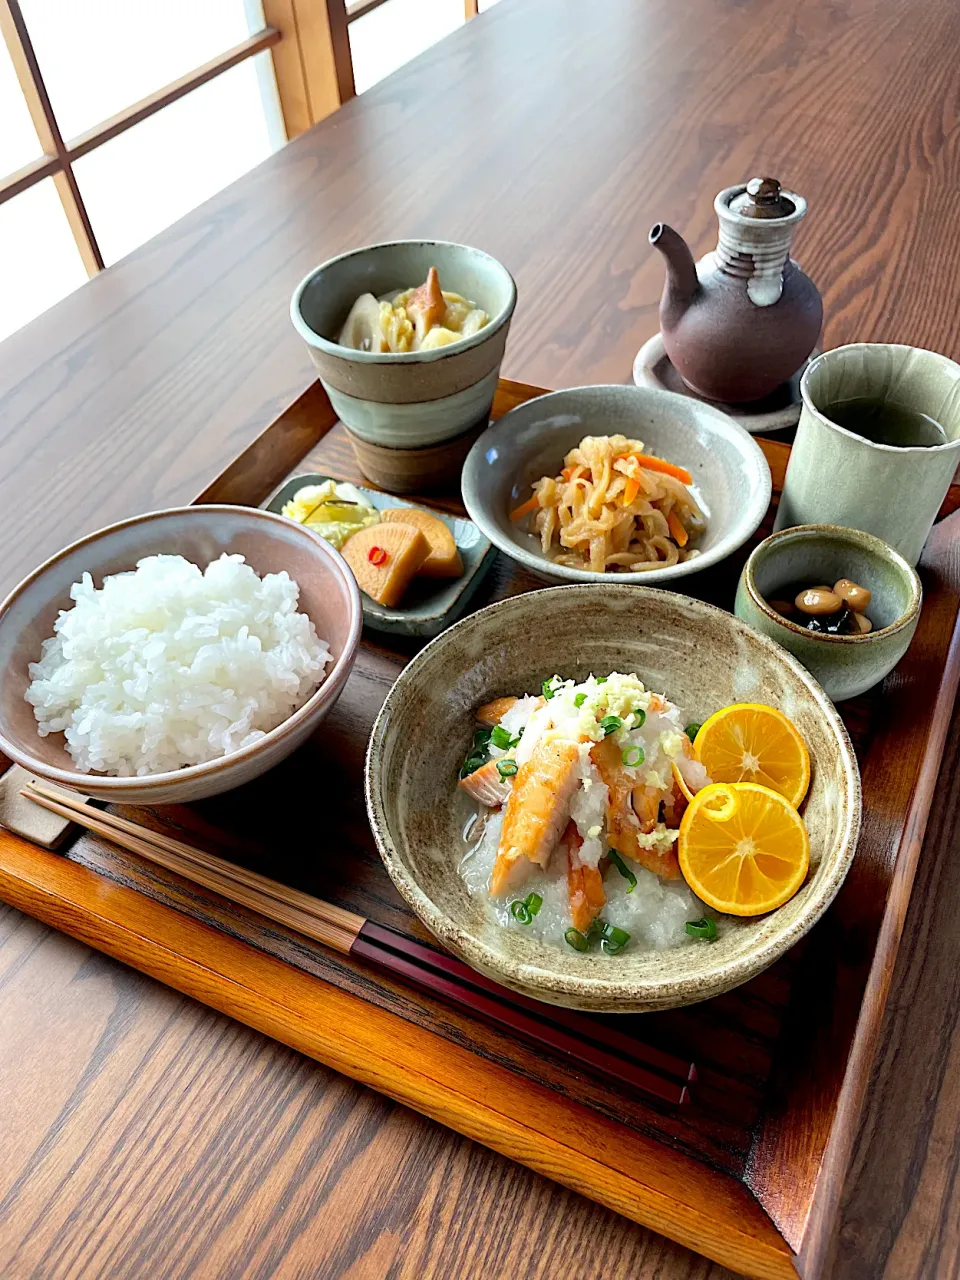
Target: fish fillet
(536, 812)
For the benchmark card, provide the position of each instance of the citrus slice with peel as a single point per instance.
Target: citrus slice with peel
(743, 848)
(750, 742)
(679, 780)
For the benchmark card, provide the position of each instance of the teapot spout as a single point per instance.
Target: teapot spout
(681, 285)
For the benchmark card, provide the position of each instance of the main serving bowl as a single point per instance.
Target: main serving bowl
(269, 543)
(699, 656)
(731, 478)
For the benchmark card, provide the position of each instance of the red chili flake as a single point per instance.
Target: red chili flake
(377, 555)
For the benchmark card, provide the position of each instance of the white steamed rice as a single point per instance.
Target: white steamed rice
(168, 666)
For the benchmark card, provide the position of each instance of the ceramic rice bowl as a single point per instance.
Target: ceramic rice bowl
(699, 656)
(269, 543)
(731, 477)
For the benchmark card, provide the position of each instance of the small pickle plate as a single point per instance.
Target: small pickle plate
(429, 605)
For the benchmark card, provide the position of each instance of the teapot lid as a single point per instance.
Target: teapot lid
(762, 198)
(759, 200)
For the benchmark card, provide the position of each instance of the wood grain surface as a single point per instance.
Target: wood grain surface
(148, 1134)
(275, 1167)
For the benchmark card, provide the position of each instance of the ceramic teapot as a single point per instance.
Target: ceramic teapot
(743, 319)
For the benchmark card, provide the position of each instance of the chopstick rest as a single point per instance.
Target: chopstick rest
(17, 814)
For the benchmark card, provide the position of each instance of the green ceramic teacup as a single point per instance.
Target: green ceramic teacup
(836, 476)
(812, 554)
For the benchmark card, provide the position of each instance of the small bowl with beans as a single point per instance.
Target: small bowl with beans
(842, 601)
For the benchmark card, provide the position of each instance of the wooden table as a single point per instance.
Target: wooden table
(145, 1134)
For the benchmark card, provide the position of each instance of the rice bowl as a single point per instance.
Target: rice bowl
(270, 545)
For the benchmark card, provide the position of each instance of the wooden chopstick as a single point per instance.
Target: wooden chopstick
(591, 1044)
(322, 921)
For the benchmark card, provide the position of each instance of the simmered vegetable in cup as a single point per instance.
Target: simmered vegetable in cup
(419, 319)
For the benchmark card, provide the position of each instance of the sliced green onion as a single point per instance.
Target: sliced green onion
(632, 756)
(624, 870)
(521, 912)
(595, 932)
(619, 937)
(471, 765)
(533, 903)
(602, 679)
(610, 724)
(501, 738)
(610, 948)
(692, 729)
(506, 768)
(613, 940)
(640, 717)
(575, 939)
(705, 928)
(478, 754)
(580, 699)
(548, 688)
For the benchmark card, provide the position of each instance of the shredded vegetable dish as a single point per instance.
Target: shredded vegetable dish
(615, 508)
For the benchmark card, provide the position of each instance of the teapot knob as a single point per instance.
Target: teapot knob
(763, 198)
(763, 190)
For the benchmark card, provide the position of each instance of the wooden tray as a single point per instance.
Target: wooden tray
(750, 1174)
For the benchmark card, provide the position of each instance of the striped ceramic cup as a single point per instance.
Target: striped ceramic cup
(395, 405)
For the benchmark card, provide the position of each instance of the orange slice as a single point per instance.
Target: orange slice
(743, 848)
(678, 779)
(749, 742)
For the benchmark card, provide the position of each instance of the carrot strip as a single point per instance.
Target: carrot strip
(651, 463)
(630, 491)
(525, 508)
(677, 531)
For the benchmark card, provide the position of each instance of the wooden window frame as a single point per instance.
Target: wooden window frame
(314, 76)
(310, 46)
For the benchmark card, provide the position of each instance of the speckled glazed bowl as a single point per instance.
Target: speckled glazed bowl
(814, 553)
(269, 543)
(412, 416)
(703, 659)
(731, 477)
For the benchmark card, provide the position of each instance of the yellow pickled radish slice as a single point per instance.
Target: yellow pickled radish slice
(743, 848)
(750, 742)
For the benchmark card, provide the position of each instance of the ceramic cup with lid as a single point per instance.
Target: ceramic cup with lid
(836, 476)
